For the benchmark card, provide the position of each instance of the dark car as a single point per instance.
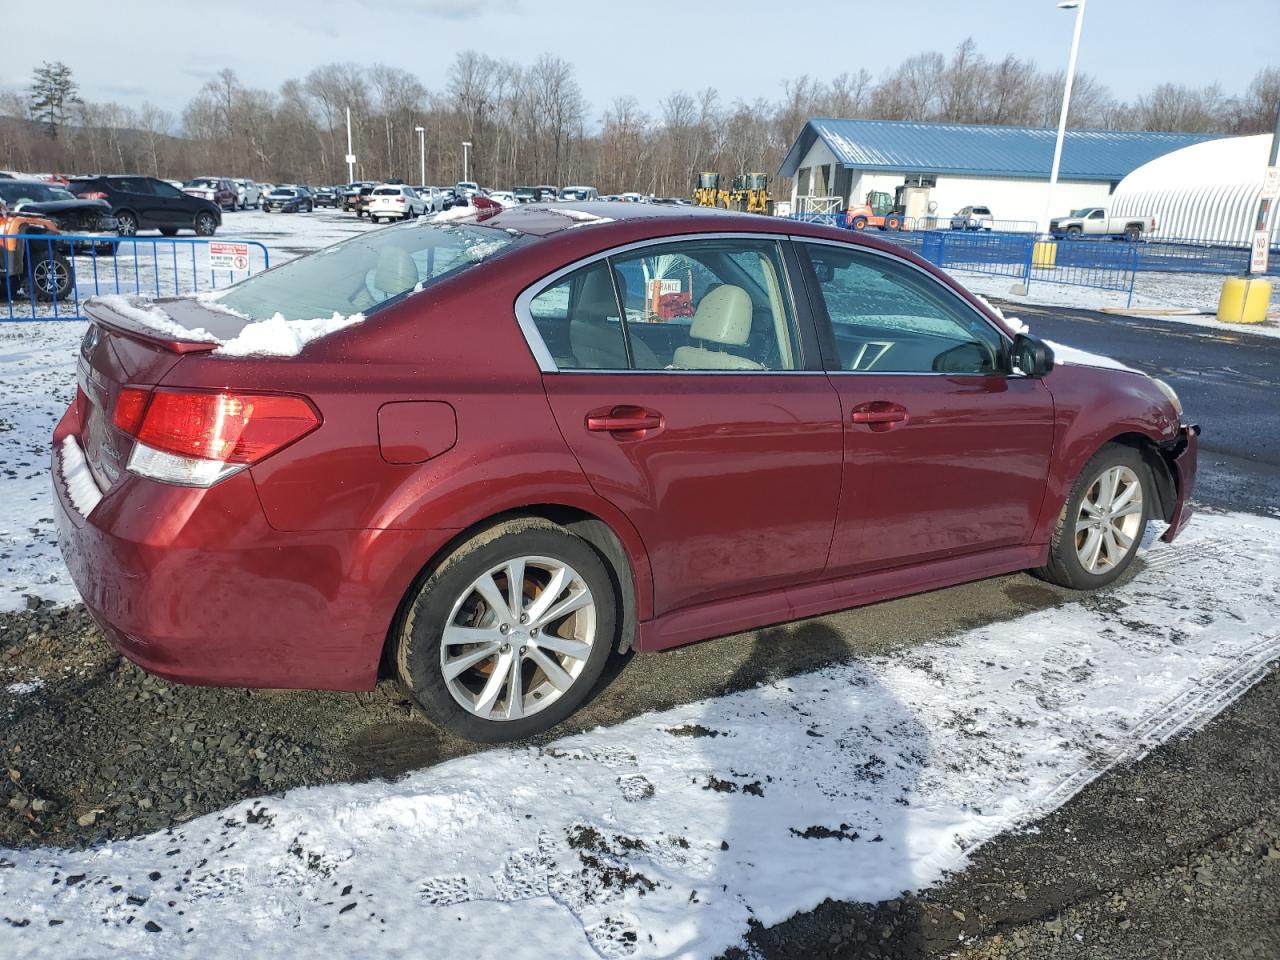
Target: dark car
(485, 481)
(328, 196)
(145, 203)
(219, 190)
(71, 214)
(354, 193)
(288, 200)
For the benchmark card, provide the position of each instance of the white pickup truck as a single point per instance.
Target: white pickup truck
(1094, 222)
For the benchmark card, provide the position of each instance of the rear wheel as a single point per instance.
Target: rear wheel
(51, 278)
(1133, 233)
(508, 636)
(1102, 523)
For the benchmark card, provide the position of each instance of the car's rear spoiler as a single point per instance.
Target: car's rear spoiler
(127, 316)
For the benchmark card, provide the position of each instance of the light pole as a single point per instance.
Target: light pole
(422, 153)
(1078, 6)
(466, 155)
(351, 157)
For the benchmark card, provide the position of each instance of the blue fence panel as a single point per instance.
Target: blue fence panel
(47, 276)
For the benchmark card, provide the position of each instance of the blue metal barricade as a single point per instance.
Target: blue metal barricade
(47, 276)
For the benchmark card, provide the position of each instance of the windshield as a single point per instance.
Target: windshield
(367, 271)
(282, 193)
(201, 183)
(14, 192)
(1082, 212)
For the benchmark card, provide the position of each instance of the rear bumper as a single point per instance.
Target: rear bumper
(1182, 460)
(195, 586)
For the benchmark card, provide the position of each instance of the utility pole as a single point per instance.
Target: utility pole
(466, 155)
(351, 157)
(1078, 6)
(422, 154)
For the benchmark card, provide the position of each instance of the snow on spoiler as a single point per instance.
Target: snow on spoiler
(190, 325)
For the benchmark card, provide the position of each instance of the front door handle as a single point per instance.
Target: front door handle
(880, 415)
(626, 422)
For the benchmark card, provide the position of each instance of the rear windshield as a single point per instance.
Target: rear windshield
(367, 271)
(14, 192)
(387, 192)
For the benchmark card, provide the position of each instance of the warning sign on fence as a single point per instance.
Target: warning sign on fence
(228, 256)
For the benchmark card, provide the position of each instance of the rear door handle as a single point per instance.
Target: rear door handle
(626, 422)
(880, 415)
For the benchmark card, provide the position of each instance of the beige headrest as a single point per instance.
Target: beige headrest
(723, 316)
(596, 300)
(396, 272)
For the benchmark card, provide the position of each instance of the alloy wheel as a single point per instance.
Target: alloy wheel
(126, 225)
(1109, 519)
(518, 638)
(51, 278)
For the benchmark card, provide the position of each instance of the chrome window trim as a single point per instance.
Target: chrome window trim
(1000, 331)
(547, 364)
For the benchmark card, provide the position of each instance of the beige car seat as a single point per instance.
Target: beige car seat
(723, 319)
(595, 336)
(394, 274)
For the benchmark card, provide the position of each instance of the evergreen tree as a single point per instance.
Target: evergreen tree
(53, 92)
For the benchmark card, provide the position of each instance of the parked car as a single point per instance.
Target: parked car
(545, 193)
(30, 264)
(145, 203)
(972, 218)
(467, 187)
(394, 202)
(248, 194)
(525, 194)
(69, 213)
(579, 193)
(217, 190)
(504, 197)
(675, 480)
(328, 196)
(1094, 222)
(437, 198)
(287, 200)
(351, 195)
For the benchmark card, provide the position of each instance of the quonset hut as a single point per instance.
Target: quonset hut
(1207, 192)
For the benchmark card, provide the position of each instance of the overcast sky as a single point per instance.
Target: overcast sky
(163, 51)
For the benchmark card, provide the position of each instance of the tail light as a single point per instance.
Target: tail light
(196, 438)
(94, 195)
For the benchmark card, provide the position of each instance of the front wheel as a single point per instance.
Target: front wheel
(1103, 521)
(1073, 232)
(206, 224)
(858, 223)
(509, 634)
(126, 223)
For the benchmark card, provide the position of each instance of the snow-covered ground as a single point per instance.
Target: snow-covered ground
(1152, 291)
(665, 835)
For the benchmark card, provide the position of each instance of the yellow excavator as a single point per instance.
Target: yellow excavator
(749, 192)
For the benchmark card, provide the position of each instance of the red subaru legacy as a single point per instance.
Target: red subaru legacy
(481, 455)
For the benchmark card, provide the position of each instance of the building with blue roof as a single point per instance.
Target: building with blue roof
(835, 163)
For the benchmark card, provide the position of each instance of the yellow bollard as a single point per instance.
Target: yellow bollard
(1044, 254)
(1244, 300)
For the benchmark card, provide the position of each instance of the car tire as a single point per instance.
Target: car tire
(476, 701)
(1073, 232)
(50, 278)
(1133, 233)
(127, 223)
(1093, 543)
(205, 225)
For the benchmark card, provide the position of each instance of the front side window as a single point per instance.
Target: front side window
(888, 317)
(162, 189)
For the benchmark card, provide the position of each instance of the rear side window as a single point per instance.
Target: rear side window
(580, 322)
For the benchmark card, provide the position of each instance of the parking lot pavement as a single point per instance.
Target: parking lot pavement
(98, 751)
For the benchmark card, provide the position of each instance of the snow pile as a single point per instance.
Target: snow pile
(23, 687)
(667, 834)
(445, 216)
(278, 337)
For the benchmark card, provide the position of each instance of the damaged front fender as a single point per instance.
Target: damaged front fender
(1180, 458)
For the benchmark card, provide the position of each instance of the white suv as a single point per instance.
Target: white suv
(972, 218)
(394, 201)
(248, 193)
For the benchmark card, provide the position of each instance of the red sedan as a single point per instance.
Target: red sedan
(501, 463)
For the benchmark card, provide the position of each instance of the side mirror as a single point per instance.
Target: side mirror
(1032, 357)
